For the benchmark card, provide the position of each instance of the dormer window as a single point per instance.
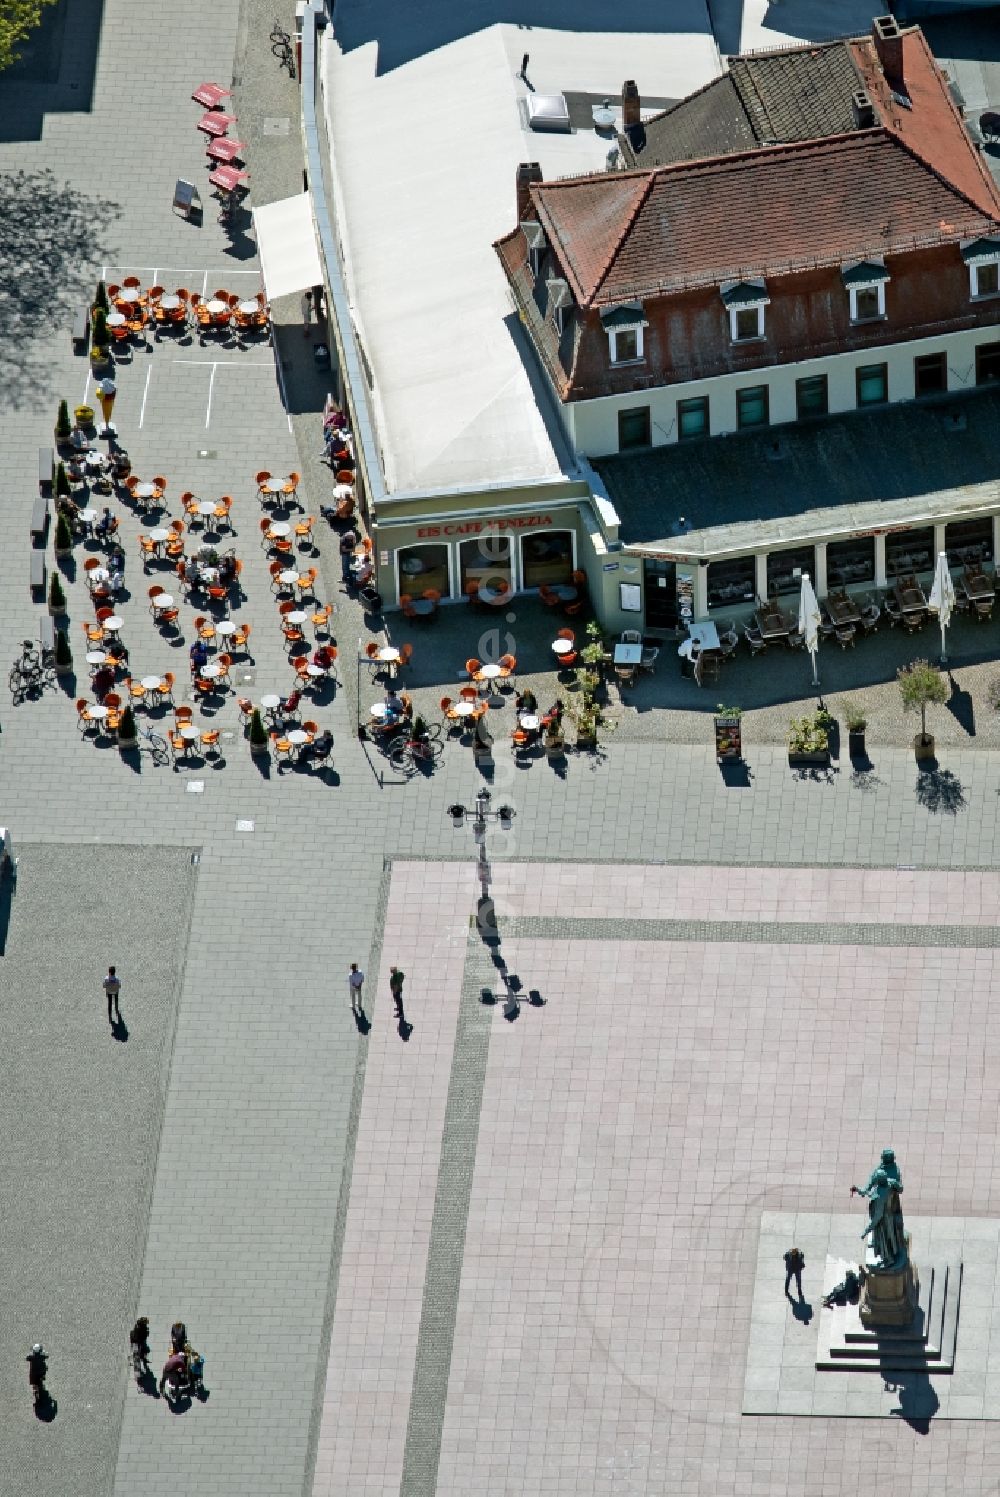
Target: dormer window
(534, 236)
(745, 302)
(865, 283)
(982, 256)
(624, 326)
(560, 299)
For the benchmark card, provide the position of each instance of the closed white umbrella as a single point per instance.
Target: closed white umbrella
(809, 621)
(942, 598)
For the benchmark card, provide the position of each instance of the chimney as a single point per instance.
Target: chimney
(527, 172)
(863, 110)
(630, 104)
(888, 41)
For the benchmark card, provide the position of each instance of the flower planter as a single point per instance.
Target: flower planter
(127, 743)
(65, 669)
(803, 758)
(856, 743)
(555, 747)
(83, 415)
(586, 741)
(923, 746)
(55, 612)
(259, 750)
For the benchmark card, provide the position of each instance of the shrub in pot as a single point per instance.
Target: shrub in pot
(127, 736)
(63, 489)
(64, 536)
(83, 415)
(922, 685)
(101, 299)
(63, 424)
(258, 734)
(808, 739)
(856, 725)
(57, 596)
(64, 654)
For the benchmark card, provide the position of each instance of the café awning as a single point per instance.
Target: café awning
(286, 241)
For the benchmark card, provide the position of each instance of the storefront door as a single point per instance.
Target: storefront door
(661, 595)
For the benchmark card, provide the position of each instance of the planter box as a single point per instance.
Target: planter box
(856, 743)
(923, 748)
(802, 760)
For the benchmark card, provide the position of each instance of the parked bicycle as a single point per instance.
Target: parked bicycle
(153, 744)
(281, 46)
(31, 672)
(407, 753)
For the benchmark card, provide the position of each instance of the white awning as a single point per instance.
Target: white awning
(286, 241)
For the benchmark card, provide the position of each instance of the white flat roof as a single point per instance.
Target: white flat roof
(427, 135)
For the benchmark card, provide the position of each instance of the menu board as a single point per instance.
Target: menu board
(728, 738)
(685, 598)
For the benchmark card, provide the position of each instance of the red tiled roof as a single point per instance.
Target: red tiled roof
(638, 234)
(932, 126)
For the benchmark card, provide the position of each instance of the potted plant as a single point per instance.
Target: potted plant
(856, 725)
(100, 351)
(127, 736)
(593, 652)
(64, 654)
(64, 536)
(258, 735)
(57, 596)
(83, 415)
(101, 299)
(555, 741)
(63, 489)
(922, 685)
(808, 742)
(63, 426)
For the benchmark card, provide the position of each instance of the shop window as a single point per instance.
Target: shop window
(811, 396)
(633, 428)
(692, 418)
(485, 563)
(872, 384)
(850, 561)
(423, 569)
(909, 551)
(930, 374)
(785, 568)
(732, 581)
(985, 279)
(987, 363)
(546, 558)
(751, 407)
(969, 541)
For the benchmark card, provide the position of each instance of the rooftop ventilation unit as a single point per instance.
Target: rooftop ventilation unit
(548, 113)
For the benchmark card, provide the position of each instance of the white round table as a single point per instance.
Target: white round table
(248, 308)
(98, 713)
(298, 736)
(206, 507)
(151, 683)
(226, 628)
(208, 574)
(128, 296)
(145, 490)
(389, 654)
(99, 574)
(315, 670)
(113, 624)
(116, 319)
(159, 535)
(216, 307)
(297, 616)
(270, 703)
(95, 657)
(379, 711)
(528, 721)
(94, 460)
(188, 731)
(489, 672)
(279, 529)
(464, 708)
(88, 516)
(170, 303)
(289, 578)
(563, 646)
(163, 600)
(211, 672)
(273, 486)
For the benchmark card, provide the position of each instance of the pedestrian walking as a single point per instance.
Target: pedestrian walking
(348, 546)
(355, 981)
(112, 987)
(307, 312)
(396, 989)
(795, 1262)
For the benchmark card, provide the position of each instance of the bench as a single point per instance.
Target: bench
(38, 572)
(81, 331)
(46, 468)
(39, 520)
(47, 635)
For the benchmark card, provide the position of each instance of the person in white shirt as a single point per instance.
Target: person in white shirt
(355, 981)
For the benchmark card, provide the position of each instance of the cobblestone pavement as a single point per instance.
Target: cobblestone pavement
(250, 1218)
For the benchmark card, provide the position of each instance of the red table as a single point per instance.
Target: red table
(210, 94)
(216, 124)
(226, 149)
(228, 178)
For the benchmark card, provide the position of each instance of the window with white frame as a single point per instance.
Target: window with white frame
(982, 256)
(745, 302)
(865, 284)
(535, 239)
(624, 326)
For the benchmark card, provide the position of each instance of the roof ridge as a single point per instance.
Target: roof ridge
(904, 145)
(993, 191)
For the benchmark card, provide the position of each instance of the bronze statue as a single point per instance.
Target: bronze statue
(885, 1215)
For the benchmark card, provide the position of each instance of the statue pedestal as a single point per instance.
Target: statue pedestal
(889, 1298)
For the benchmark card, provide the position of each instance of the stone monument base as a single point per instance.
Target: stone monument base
(926, 1343)
(889, 1298)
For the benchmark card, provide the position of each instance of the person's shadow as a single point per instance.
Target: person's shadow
(146, 1383)
(362, 1020)
(46, 1407)
(119, 1030)
(403, 1028)
(801, 1309)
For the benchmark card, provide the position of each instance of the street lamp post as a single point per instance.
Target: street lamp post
(486, 918)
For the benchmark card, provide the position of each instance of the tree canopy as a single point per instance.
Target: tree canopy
(18, 19)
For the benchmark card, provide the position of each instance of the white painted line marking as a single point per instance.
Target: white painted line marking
(223, 363)
(142, 412)
(204, 285)
(86, 388)
(211, 383)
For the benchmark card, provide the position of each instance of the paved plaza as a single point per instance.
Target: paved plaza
(495, 1248)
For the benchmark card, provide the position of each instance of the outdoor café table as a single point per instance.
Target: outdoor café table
(529, 722)
(423, 607)
(772, 624)
(163, 600)
(627, 654)
(289, 577)
(100, 574)
(215, 307)
(95, 460)
(389, 654)
(159, 535)
(151, 683)
(188, 731)
(249, 308)
(226, 628)
(211, 672)
(565, 593)
(113, 624)
(705, 635)
(145, 490)
(270, 704)
(129, 296)
(345, 491)
(279, 529)
(170, 302)
(977, 584)
(116, 319)
(487, 674)
(910, 598)
(86, 516)
(95, 657)
(297, 616)
(274, 486)
(842, 609)
(378, 712)
(207, 574)
(298, 737)
(463, 708)
(206, 507)
(99, 713)
(315, 671)
(563, 646)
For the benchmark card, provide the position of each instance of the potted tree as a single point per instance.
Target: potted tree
(856, 725)
(593, 653)
(57, 597)
(63, 489)
(64, 654)
(921, 686)
(258, 735)
(101, 299)
(100, 351)
(555, 740)
(64, 536)
(63, 425)
(127, 736)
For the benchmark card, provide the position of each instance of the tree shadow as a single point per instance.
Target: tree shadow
(940, 792)
(50, 232)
